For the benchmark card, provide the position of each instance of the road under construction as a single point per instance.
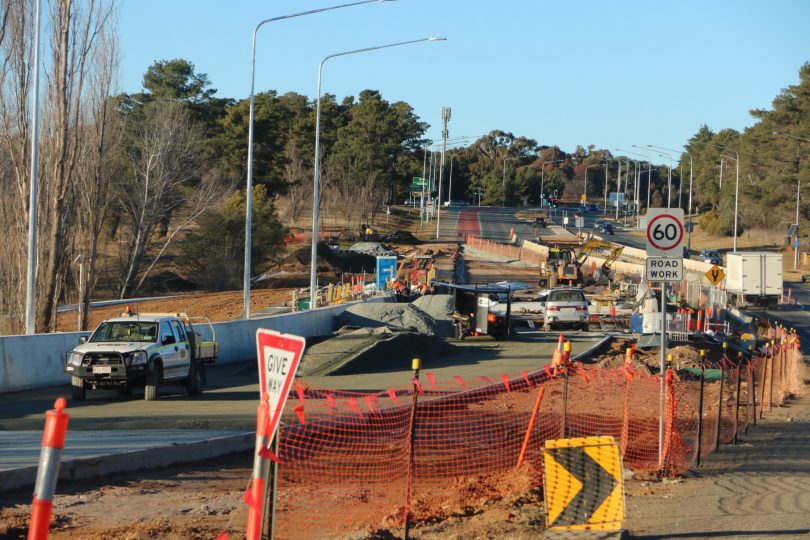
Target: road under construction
(470, 466)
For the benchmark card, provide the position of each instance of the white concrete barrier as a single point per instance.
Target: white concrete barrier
(36, 361)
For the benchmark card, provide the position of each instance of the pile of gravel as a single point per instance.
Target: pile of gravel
(438, 306)
(403, 316)
(371, 248)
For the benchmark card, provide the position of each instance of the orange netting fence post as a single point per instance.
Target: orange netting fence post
(530, 427)
(700, 414)
(719, 410)
(737, 395)
(53, 442)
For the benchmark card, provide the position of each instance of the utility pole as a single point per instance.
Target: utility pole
(445, 114)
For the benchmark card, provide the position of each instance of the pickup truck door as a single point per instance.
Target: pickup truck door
(169, 350)
(184, 354)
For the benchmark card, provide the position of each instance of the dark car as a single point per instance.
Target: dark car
(605, 228)
(591, 208)
(711, 256)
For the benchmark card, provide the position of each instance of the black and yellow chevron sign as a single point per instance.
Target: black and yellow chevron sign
(583, 484)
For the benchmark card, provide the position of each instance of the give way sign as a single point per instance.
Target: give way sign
(665, 232)
(279, 356)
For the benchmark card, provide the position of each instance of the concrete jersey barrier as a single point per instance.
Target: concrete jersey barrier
(36, 361)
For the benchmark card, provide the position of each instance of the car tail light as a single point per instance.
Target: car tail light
(581, 308)
(491, 317)
(552, 309)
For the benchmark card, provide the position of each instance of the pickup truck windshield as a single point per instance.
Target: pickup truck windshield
(125, 331)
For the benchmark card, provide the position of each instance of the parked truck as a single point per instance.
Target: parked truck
(754, 278)
(142, 350)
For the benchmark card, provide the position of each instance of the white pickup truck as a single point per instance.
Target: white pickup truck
(144, 350)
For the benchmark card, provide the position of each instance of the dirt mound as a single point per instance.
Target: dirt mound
(329, 262)
(400, 237)
(298, 261)
(402, 316)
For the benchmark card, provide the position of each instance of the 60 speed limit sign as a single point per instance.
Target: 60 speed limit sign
(665, 232)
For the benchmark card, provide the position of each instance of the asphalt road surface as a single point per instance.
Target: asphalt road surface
(230, 401)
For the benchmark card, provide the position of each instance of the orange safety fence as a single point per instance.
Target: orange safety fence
(346, 456)
(504, 250)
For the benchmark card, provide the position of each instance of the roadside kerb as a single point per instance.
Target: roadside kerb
(161, 456)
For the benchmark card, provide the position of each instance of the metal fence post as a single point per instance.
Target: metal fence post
(416, 365)
(700, 414)
(737, 399)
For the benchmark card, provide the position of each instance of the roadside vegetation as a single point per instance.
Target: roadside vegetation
(134, 186)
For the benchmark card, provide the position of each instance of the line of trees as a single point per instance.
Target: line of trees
(135, 185)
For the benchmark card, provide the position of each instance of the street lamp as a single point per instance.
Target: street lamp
(313, 272)
(689, 208)
(798, 193)
(503, 179)
(649, 172)
(543, 177)
(736, 188)
(585, 188)
(249, 187)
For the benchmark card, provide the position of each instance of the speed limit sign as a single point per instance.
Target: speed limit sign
(665, 232)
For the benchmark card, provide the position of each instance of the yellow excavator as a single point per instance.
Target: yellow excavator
(564, 266)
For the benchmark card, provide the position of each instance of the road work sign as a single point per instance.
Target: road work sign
(715, 275)
(583, 484)
(664, 269)
(665, 232)
(279, 356)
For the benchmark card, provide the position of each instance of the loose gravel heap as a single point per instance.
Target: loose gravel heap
(371, 248)
(438, 306)
(402, 316)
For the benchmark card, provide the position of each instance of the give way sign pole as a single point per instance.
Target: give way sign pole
(665, 235)
(279, 356)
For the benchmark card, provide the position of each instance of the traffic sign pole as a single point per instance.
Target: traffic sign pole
(665, 235)
(661, 404)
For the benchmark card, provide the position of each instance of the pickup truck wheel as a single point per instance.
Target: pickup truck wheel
(195, 380)
(150, 390)
(77, 390)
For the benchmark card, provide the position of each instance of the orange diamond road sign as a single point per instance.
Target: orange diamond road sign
(715, 275)
(583, 484)
(279, 356)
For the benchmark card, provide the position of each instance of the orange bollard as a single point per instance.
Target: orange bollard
(557, 355)
(256, 492)
(53, 441)
(612, 310)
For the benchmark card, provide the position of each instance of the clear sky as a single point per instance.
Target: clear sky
(567, 73)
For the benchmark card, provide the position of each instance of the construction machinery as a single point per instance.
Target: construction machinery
(564, 265)
(612, 252)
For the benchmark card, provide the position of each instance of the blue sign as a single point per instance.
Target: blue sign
(796, 243)
(386, 270)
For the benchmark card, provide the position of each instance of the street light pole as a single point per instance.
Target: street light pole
(313, 272)
(445, 115)
(31, 272)
(585, 187)
(249, 186)
(736, 188)
(543, 177)
(503, 180)
(798, 195)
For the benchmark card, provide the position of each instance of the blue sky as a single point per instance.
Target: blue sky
(611, 74)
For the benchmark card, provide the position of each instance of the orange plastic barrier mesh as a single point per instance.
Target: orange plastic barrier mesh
(346, 455)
